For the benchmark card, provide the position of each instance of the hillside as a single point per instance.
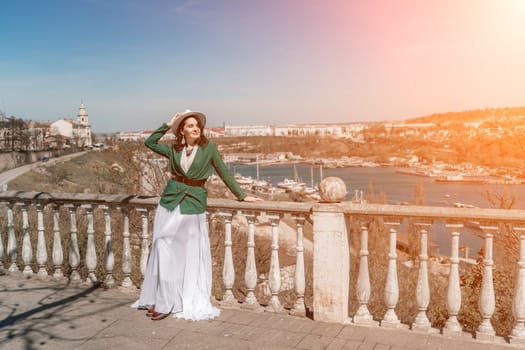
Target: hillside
(85, 174)
(492, 114)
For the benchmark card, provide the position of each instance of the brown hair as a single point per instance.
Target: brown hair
(178, 144)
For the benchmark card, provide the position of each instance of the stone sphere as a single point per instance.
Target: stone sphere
(332, 190)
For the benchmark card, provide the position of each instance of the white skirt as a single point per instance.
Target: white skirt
(178, 273)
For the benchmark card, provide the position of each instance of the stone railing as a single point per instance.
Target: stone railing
(489, 222)
(86, 238)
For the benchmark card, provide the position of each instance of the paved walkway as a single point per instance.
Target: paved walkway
(43, 315)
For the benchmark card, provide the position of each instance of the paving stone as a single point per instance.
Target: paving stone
(240, 331)
(301, 325)
(243, 317)
(356, 333)
(367, 345)
(275, 322)
(123, 342)
(389, 336)
(57, 327)
(415, 341)
(189, 325)
(193, 340)
(327, 329)
(148, 329)
(352, 345)
(337, 344)
(261, 318)
(38, 342)
(216, 328)
(314, 342)
(272, 336)
(382, 347)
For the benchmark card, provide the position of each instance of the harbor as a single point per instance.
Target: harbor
(398, 187)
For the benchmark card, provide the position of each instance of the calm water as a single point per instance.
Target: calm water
(399, 188)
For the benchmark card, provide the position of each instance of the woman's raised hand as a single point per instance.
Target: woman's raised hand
(172, 121)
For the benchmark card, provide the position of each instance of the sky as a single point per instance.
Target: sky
(135, 63)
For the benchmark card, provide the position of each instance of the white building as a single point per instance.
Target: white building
(253, 130)
(321, 130)
(309, 130)
(62, 127)
(141, 135)
(78, 132)
(82, 129)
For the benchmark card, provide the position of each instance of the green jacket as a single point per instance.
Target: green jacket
(192, 199)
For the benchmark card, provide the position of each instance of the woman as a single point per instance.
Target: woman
(178, 273)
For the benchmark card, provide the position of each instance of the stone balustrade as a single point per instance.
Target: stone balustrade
(87, 238)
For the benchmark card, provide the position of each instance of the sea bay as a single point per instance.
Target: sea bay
(398, 188)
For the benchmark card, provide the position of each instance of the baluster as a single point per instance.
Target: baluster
(487, 299)
(518, 303)
(109, 257)
(144, 246)
(422, 323)
(58, 253)
(74, 253)
(363, 289)
(127, 283)
(250, 273)
(274, 275)
(299, 280)
(452, 325)
(27, 249)
(41, 249)
(1, 253)
(91, 252)
(12, 248)
(391, 287)
(228, 270)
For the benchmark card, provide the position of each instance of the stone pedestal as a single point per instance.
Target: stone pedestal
(331, 255)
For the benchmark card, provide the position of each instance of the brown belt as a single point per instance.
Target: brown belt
(187, 181)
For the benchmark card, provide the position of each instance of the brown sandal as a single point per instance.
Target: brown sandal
(157, 316)
(150, 311)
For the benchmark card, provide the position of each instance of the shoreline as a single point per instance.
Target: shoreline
(459, 175)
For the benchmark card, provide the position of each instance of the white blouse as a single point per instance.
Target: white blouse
(185, 160)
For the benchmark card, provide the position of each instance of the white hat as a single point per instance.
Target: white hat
(186, 114)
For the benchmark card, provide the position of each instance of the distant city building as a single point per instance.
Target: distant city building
(309, 130)
(141, 135)
(130, 136)
(34, 137)
(62, 127)
(82, 129)
(405, 129)
(76, 133)
(252, 130)
(320, 130)
(214, 132)
(13, 135)
(474, 124)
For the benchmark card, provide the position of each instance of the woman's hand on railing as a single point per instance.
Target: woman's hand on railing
(252, 199)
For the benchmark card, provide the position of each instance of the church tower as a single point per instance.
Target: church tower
(82, 129)
(82, 117)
